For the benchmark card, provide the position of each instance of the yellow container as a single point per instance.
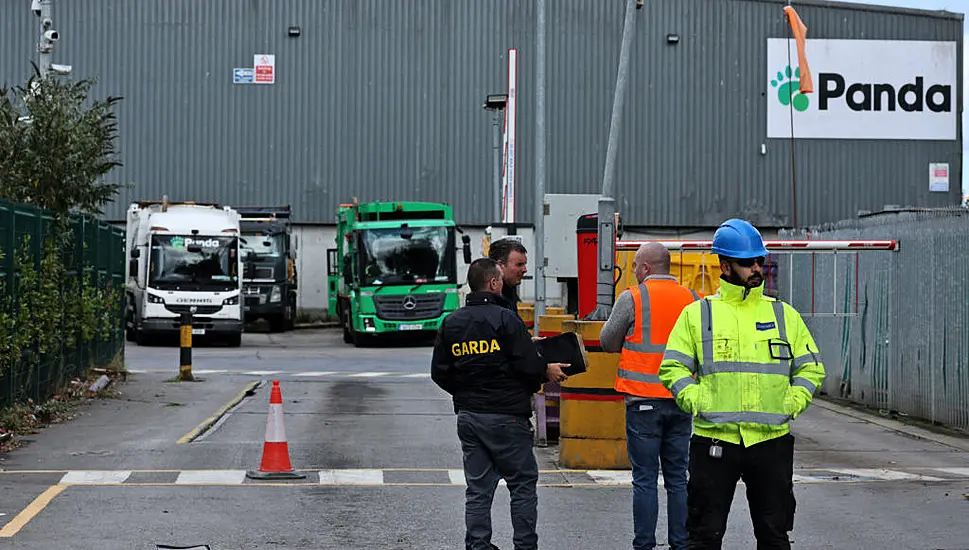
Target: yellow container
(592, 413)
(699, 270)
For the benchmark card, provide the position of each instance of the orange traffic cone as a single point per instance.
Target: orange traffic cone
(275, 450)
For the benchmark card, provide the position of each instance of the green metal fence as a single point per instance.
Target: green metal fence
(90, 286)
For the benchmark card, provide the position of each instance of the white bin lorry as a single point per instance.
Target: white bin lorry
(183, 257)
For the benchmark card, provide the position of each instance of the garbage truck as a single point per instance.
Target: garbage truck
(269, 277)
(394, 268)
(183, 257)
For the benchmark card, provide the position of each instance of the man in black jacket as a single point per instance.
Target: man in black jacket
(485, 358)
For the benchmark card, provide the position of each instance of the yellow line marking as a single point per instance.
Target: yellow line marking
(208, 422)
(32, 509)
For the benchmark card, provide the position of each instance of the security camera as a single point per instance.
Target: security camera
(35, 7)
(61, 69)
(51, 36)
(47, 23)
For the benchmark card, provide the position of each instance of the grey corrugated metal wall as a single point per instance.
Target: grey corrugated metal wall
(904, 345)
(382, 100)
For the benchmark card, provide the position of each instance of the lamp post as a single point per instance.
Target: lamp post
(496, 104)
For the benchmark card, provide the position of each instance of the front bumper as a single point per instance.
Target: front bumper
(200, 326)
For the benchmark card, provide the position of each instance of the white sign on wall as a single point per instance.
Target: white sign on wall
(939, 177)
(864, 89)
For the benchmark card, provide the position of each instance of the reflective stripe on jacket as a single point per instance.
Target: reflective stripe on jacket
(657, 303)
(755, 363)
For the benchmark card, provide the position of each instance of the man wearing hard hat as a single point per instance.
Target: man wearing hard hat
(744, 365)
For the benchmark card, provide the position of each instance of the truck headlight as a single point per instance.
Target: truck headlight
(277, 294)
(231, 301)
(153, 299)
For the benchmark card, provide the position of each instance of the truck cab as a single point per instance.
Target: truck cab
(183, 258)
(394, 268)
(269, 266)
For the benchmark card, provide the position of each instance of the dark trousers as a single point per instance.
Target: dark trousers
(767, 469)
(498, 446)
(658, 431)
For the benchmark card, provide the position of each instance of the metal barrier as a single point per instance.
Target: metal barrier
(901, 342)
(89, 287)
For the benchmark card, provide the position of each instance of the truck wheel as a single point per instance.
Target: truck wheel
(277, 323)
(234, 340)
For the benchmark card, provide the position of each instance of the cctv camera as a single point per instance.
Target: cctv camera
(35, 7)
(51, 36)
(47, 23)
(61, 69)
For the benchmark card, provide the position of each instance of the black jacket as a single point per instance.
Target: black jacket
(485, 358)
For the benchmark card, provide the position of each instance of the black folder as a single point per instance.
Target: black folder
(566, 347)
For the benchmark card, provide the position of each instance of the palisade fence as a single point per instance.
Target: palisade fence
(898, 338)
(87, 328)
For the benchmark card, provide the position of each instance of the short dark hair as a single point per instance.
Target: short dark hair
(480, 272)
(502, 248)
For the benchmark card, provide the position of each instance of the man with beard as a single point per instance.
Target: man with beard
(744, 365)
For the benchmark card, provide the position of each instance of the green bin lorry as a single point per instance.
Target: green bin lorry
(394, 268)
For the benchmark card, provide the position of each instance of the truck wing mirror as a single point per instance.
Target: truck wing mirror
(466, 239)
(136, 253)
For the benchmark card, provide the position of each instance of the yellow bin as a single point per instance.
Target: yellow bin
(592, 425)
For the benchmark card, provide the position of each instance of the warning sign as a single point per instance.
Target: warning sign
(265, 68)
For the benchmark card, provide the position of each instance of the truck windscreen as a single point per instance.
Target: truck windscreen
(407, 255)
(263, 246)
(194, 263)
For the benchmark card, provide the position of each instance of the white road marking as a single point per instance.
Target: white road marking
(956, 471)
(881, 473)
(96, 477)
(368, 374)
(262, 372)
(417, 375)
(203, 477)
(352, 477)
(314, 373)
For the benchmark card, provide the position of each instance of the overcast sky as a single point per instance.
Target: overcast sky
(958, 6)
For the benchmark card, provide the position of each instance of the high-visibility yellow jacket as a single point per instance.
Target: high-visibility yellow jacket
(743, 364)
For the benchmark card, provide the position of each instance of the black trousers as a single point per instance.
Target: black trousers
(767, 469)
(498, 446)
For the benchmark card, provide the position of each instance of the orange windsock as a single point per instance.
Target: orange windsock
(800, 33)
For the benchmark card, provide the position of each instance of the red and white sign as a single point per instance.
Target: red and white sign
(265, 68)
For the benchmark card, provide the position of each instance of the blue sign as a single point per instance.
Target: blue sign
(243, 76)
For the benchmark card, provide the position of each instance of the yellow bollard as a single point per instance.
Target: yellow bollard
(592, 425)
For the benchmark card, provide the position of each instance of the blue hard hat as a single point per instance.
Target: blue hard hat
(736, 238)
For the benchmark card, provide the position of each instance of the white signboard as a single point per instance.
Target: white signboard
(939, 177)
(863, 89)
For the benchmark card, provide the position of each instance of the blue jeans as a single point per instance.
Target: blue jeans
(657, 429)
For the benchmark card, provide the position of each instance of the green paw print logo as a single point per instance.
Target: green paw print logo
(788, 89)
(178, 242)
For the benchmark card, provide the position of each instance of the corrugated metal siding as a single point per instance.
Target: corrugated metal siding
(872, 355)
(382, 100)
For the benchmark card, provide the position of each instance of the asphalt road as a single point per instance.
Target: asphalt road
(375, 441)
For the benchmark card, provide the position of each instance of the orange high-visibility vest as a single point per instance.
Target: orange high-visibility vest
(657, 303)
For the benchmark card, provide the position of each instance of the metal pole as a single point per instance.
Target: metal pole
(43, 46)
(605, 287)
(496, 153)
(540, 172)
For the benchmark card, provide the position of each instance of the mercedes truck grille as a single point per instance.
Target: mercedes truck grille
(411, 306)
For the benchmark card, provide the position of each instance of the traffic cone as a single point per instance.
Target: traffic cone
(275, 450)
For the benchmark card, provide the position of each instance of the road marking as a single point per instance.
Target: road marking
(314, 373)
(955, 471)
(352, 477)
(883, 474)
(95, 477)
(212, 420)
(611, 477)
(207, 477)
(418, 375)
(457, 478)
(262, 372)
(368, 374)
(203, 371)
(32, 509)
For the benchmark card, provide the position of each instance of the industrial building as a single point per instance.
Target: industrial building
(313, 103)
